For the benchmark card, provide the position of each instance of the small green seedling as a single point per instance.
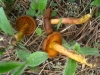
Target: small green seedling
(39, 31)
(54, 13)
(37, 7)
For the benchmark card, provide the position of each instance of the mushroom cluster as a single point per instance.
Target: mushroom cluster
(26, 25)
(53, 42)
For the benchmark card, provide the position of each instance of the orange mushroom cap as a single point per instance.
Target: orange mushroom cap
(23, 20)
(54, 37)
(47, 23)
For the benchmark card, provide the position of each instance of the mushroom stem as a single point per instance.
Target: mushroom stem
(21, 33)
(69, 20)
(47, 26)
(69, 53)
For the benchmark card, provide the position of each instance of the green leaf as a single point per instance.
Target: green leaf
(42, 4)
(68, 45)
(72, 1)
(37, 58)
(76, 46)
(35, 1)
(22, 46)
(4, 23)
(81, 50)
(23, 55)
(38, 31)
(98, 14)
(3, 0)
(53, 4)
(39, 13)
(34, 6)
(1, 52)
(88, 51)
(34, 68)
(95, 3)
(54, 13)
(30, 12)
(64, 41)
(19, 70)
(7, 66)
(59, 23)
(70, 67)
(8, 1)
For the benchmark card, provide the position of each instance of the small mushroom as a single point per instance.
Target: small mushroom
(83, 19)
(53, 46)
(54, 37)
(25, 25)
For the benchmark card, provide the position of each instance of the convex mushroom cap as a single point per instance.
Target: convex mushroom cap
(54, 37)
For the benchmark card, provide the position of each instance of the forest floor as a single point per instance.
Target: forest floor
(87, 34)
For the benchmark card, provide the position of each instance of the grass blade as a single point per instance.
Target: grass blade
(4, 23)
(59, 23)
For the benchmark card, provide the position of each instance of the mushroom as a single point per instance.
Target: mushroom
(25, 25)
(54, 37)
(83, 19)
(53, 46)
